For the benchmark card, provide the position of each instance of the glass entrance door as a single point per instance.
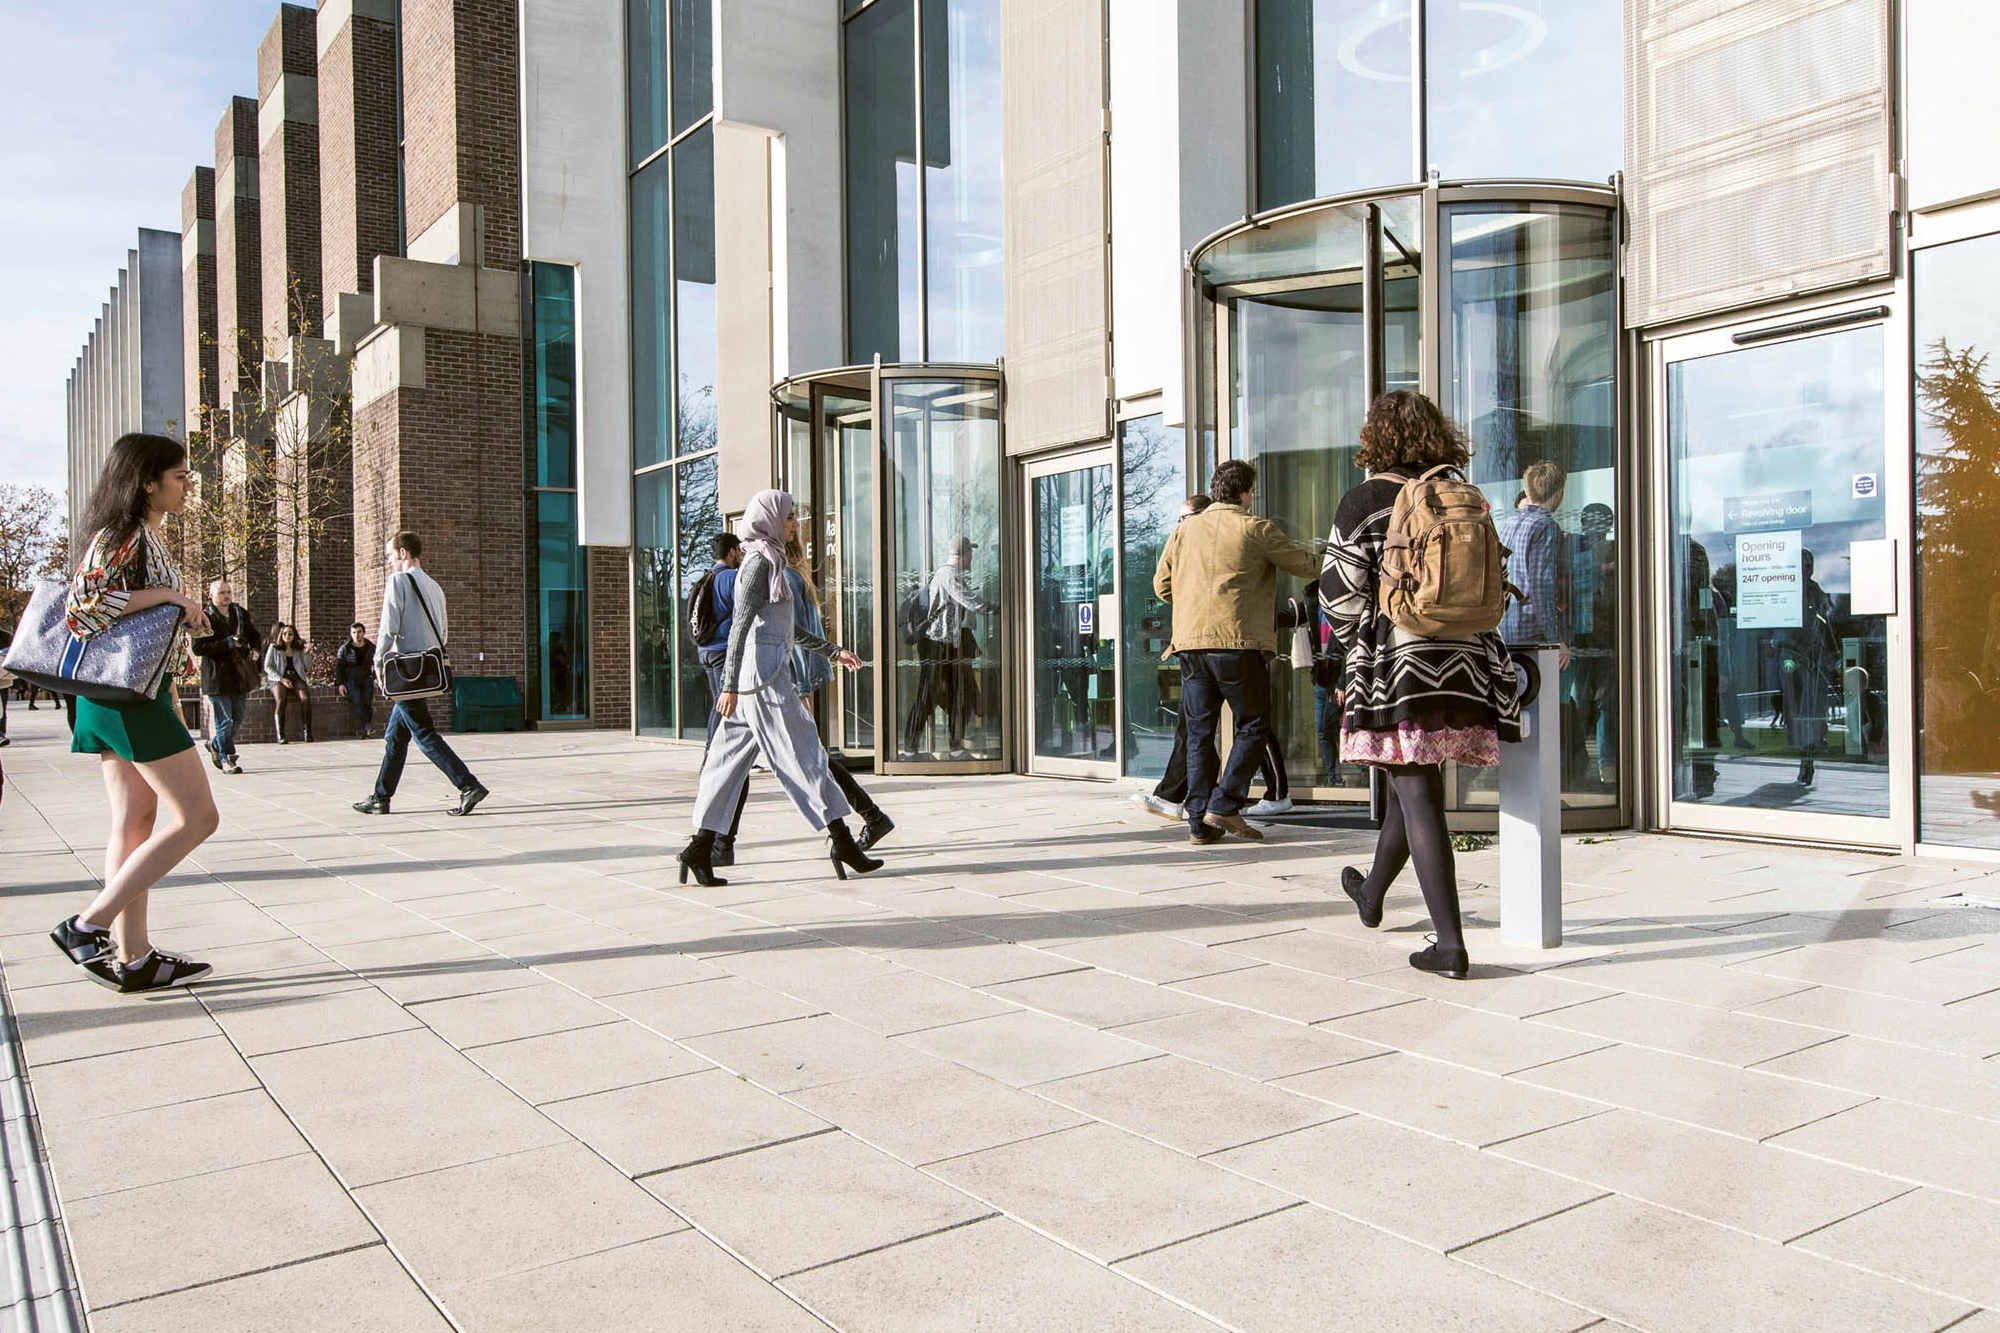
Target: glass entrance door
(1072, 578)
(847, 529)
(1781, 574)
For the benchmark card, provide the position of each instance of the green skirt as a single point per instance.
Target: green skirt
(140, 732)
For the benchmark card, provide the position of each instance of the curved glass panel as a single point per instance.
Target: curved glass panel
(1958, 543)
(1152, 462)
(697, 520)
(1072, 521)
(1319, 241)
(1530, 371)
(962, 174)
(1769, 447)
(1528, 88)
(849, 533)
(1333, 98)
(694, 291)
(949, 689)
(884, 305)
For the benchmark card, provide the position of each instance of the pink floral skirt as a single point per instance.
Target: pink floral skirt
(1410, 743)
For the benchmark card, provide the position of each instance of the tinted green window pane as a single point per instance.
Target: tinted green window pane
(694, 290)
(1958, 543)
(652, 318)
(646, 75)
(562, 615)
(653, 618)
(1524, 90)
(883, 302)
(693, 61)
(552, 384)
(1153, 462)
(700, 519)
(962, 179)
(1333, 98)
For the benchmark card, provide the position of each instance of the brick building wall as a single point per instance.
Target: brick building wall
(198, 298)
(288, 172)
(610, 582)
(357, 153)
(462, 121)
(239, 276)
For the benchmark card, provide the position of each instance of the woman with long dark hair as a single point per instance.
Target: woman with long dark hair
(161, 808)
(1409, 703)
(760, 707)
(285, 675)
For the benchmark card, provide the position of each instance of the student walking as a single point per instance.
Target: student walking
(161, 807)
(285, 673)
(714, 597)
(760, 707)
(1410, 703)
(412, 620)
(1219, 569)
(229, 670)
(354, 677)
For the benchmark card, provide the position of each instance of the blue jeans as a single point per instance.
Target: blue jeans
(1209, 678)
(361, 700)
(228, 717)
(411, 720)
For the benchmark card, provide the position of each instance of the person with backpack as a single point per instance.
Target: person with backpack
(1219, 570)
(936, 618)
(711, 613)
(1413, 589)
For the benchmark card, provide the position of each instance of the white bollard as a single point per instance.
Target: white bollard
(1531, 817)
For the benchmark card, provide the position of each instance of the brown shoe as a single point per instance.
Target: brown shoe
(1235, 824)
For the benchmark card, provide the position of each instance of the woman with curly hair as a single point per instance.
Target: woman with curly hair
(1409, 703)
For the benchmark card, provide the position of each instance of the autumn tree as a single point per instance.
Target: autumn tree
(30, 528)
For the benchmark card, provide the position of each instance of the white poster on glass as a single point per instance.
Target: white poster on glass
(1770, 580)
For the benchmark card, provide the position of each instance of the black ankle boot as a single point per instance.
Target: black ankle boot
(875, 826)
(1451, 963)
(725, 851)
(695, 857)
(1806, 771)
(845, 853)
(1355, 885)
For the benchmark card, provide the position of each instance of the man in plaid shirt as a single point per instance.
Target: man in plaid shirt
(1539, 565)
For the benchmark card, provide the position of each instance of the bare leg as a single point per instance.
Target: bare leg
(133, 807)
(180, 784)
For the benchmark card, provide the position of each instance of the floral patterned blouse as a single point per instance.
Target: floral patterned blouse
(106, 579)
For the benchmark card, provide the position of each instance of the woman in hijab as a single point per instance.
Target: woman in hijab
(760, 706)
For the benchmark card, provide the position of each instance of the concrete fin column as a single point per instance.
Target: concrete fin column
(357, 155)
(288, 161)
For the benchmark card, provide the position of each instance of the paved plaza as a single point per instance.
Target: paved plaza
(1051, 1068)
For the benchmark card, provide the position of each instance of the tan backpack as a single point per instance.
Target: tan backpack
(1444, 571)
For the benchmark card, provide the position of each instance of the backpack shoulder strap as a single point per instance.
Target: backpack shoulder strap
(1441, 467)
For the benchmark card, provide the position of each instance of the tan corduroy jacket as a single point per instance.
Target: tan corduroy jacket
(1220, 571)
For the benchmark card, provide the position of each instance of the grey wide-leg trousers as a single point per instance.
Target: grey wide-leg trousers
(773, 720)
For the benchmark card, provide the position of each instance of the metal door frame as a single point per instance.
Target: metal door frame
(1053, 465)
(1882, 306)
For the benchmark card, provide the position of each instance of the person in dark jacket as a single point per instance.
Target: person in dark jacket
(354, 676)
(228, 654)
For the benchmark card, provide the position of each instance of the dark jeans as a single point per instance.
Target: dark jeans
(411, 720)
(1413, 829)
(228, 717)
(361, 701)
(1210, 678)
(1173, 784)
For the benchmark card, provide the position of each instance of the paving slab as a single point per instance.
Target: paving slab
(680, 1120)
(1937, 1148)
(163, 1143)
(1099, 999)
(806, 1052)
(1252, 1044)
(923, 1114)
(1475, 1038)
(1745, 1102)
(1194, 1108)
(1438, 1098)
(1025, 1048)
(138, 1080)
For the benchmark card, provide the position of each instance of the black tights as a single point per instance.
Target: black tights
(1413, 829)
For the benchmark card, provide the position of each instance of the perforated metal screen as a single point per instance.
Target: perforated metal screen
(1757, 151)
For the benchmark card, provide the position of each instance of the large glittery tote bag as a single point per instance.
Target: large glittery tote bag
(125, 663)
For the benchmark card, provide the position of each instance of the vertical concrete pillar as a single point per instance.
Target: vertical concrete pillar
(288, 175)
(239, 276)
(357, 145)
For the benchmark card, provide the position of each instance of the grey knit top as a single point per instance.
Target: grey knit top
(755, 611)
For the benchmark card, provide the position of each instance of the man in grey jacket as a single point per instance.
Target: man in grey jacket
(413, 619)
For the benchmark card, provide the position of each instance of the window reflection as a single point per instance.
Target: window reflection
(1072, 519)
(653, 619)
(563, 628)
(646, 75)
(692, 61)
(882, 225)
(1530, 358)
(1152, 460)
(652, 317)
(1531, 88)
(1958, 495)
(697, 521)
(962, 179)
(694, 291)
(1333, 98)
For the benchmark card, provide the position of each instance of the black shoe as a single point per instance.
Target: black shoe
(875, 826)
(725, 851)
(1200, 834)
(469, 798)
(103, 971)
(1451, 963)
(374, 805)
(845, 853)
(157, 971)
(230, 765)
(1805, 772)
(1355, 885)
(214, 757)
(80, 943)
(696, 858)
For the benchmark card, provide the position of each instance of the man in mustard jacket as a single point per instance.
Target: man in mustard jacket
(1220, 571)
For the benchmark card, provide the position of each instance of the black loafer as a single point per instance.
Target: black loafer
(1355, 885)
(374, 805)
(1451, 963)
(467, 799)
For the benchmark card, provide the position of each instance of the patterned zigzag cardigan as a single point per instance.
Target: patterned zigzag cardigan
(1408, 699)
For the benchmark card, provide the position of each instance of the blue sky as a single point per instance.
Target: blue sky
(106, 106)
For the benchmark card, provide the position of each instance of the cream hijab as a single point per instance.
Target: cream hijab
(762, 529)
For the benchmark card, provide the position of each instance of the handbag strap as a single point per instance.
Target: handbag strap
(418, 589)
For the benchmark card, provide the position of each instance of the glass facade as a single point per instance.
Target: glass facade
(1072, 523)
(1152, 464)
(1529, 90)
(1958, 543)
(923, 248)
(558, 612)
(674, 497)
